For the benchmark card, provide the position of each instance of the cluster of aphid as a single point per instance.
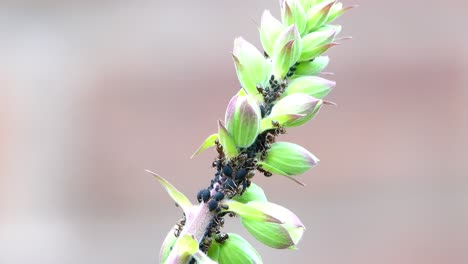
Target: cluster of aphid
(232, 177)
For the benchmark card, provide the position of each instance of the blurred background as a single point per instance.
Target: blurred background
(94, 92)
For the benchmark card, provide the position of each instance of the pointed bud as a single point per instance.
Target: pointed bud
(270, 28)
(288, 159)
(175, 194)
(209, 142)
(314, 67)
(237, 250)
(276, 235)
(336, 11)
(287, 50)
(243, 119)
(318, 15)
(249, 212)
(167, 245)
(251, 66)
(253, 193)
(227, 141)
(295, 104)
(292, 13)
(314, 86)
(316, 43)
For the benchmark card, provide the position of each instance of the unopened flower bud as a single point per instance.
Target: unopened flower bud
(288, 159)
(253, 193)
(287, 50)
(286, 234)
(251, 66)
(313, 67)
(184, 247)
(237, 250)
(318, 14)
(292, 13)
(316, 43)
(243, 119)
(270, 28)
(314, 86)
(336, 11)
(295, 104)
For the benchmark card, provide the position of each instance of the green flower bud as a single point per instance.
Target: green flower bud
(295, 104)
(276, 235)
(227, 141)
(251, 66)
(314, 86)
(318, 14)
(288, 159)
(243, 119)
(237, 250)
(213, 251)
(314, 67)
(167, 245)
(287, 50)
(270, 28)
(292, 13)
(253, 193)
(316, 43)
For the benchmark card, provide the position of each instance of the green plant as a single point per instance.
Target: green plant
(280, 89)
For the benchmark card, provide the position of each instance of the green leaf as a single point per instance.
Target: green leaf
(209, 142)
(227, 141)
(175, 194)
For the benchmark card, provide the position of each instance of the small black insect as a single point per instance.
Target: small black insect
(212, 205)
(218, 196)
(205, 195)
(230, 185)
(240, 174)
(199, 196)
(227, 170)
(262, 111)
(221, 238)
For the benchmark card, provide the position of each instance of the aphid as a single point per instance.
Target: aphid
(221, 238)
(250, 174)
(199, 196)
(227, 170)
(212, 205)
(218, 196)
(270, 138)
(240, 174)
(206, 243)
(275, 123)
(230, 184)
(205, 195)
(262, 111)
